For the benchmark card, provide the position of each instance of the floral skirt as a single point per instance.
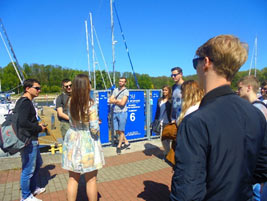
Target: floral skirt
(82, 152)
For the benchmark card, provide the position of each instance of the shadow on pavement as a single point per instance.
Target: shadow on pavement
(154, 191)
(151, 149)
(81, 195)
(44, 175)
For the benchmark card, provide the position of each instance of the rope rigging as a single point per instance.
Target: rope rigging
(125, 44)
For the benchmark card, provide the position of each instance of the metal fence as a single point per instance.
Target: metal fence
(141, 105)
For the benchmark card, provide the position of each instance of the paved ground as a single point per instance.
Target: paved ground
(136, 174)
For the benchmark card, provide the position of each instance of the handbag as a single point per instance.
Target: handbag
(169, 131)
(156, 126)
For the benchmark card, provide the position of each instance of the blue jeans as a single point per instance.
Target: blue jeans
(119, 121)
(31, 163)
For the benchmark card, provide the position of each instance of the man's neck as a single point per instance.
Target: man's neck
(179, 82)
(27, 95)
(213, 81)
(252, 97)
(121, 88)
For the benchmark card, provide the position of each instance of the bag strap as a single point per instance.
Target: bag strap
(260, 102)
(120, 93)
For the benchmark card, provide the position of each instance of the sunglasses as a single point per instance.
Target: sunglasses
(37, 88)
(196, 60)
(68, 86)
(174, 75)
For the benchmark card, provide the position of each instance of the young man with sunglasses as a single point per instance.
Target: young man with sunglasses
(177, 76)
(28, 129)
(222, 147)
(61, 106)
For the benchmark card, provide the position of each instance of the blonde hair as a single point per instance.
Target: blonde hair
(191, 95)
(226, 52)
(252, 81)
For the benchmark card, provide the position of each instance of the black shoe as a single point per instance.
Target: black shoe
(127, 146)
(118, 150)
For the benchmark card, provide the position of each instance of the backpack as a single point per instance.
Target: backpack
(9, 141)
(260, 102)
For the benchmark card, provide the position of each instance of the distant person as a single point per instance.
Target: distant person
(29, 128)
(61, 106)
(177, 76)
(221, 148)
(247, 88)
(119, 99)
(163, 114)
(192, 94)
(82, 151)
(264, 91)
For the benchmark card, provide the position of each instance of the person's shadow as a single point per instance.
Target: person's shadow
(151, 149)
(154, 191)
(44, 175)
(81, 194)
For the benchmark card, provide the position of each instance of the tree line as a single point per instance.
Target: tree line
(51, 76)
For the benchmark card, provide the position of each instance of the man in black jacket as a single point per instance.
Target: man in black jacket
(28, 131)
(221, 148)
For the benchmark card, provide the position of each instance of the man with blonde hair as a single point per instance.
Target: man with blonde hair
(221, 148)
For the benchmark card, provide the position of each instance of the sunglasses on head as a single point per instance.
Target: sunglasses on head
(68, 86)
(37, 88)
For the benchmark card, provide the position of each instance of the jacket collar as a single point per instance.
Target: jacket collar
(217, 92)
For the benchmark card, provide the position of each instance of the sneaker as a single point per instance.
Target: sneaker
(127, 146)
(31, 198)
(38, 191)
(118, 150)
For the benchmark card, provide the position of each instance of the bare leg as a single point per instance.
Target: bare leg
(120, 139)
(91, 186)
(73, 185)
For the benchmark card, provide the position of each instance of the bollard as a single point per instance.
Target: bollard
(52, 149)
(60, 148)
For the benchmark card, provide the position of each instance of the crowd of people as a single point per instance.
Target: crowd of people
(220, 149)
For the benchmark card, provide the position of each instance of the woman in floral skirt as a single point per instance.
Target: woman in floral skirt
(82, 151)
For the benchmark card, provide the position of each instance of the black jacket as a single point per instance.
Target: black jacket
(168, 109)
(28, 127)
(221, 150)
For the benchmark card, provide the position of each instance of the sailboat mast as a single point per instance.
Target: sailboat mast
(13, 63)
(93, 49)
(255, 58)
(87, 48)
(113, 41)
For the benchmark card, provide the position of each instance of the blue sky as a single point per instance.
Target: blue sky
(160, 34)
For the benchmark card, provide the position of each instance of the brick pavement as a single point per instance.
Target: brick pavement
(139, 175)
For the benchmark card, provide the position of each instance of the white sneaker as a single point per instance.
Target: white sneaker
(31, 198)
(38, 191)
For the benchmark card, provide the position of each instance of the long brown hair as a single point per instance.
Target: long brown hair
(169, 94)
(80, 98)
(191, 95)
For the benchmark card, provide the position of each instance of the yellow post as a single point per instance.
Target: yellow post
(60, 148)
(52, 149)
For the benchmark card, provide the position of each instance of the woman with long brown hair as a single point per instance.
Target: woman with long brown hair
(82, 151)
(163, 114)
(191, 97)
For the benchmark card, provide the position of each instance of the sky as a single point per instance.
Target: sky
(160, 34)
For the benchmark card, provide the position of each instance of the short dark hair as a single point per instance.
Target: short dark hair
(264, 83)
(178, 69)
(65, 80)
(29, 83)
(124, 78)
